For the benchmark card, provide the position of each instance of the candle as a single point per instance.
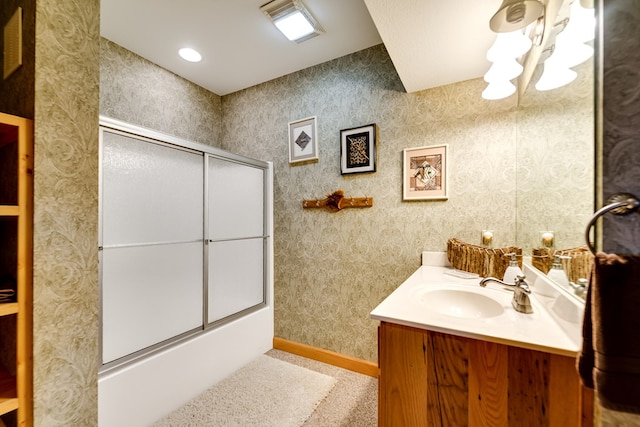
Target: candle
(487, 237)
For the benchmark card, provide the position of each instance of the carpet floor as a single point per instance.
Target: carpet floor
(309, 394)
(352, 402)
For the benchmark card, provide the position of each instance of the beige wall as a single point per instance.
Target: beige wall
(332, 269)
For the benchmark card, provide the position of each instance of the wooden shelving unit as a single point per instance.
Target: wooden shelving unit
(16, 269)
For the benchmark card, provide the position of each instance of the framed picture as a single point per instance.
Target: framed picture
(358, 149)
(303, 140)
(424, 173)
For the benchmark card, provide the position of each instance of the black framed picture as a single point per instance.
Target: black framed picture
(358, 149)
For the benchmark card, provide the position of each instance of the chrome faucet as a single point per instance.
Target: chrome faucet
(521, 291)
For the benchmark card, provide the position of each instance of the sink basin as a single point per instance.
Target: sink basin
(461, 303)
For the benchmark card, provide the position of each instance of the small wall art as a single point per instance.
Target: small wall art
(358, 149)
(303, 140)
(425, 172)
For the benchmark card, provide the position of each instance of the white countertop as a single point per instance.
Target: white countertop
(542, 330)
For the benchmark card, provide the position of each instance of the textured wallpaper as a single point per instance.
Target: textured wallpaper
(555, 162)
(65, 317)
(620, 141)
(621, 121)
(139, 92)
(332, 269)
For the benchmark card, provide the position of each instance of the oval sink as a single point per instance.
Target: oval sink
(459, 303)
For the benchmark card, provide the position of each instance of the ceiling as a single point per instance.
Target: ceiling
(431, 42)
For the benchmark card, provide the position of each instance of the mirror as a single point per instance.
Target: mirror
(555, 165)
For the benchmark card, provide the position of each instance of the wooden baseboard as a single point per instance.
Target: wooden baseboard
(336, 359)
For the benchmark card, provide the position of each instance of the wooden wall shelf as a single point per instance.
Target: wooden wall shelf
(9, 210)
(8, 308)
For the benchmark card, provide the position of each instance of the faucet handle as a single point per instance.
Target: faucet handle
(521, 283)
(520, 300)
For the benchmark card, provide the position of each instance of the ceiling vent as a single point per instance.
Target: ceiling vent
(293, 19)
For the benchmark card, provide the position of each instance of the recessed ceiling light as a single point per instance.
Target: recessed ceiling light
(190, 55)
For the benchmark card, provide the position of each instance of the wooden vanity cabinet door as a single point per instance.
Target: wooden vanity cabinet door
(434, 379)
(403, 373)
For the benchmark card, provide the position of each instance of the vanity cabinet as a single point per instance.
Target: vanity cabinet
(434, 379)
(16, 271)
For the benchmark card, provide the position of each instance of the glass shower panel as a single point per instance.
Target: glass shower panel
(151, 193)
(149, 294)
(236, 200)
(152, 243)
(236, 277)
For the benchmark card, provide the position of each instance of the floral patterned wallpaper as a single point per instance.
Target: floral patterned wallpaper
(332, 269)
(65, 300)
(139, 92)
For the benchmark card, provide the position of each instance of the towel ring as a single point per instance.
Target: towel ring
(618, 204)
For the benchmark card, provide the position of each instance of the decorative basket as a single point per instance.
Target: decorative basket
(578, 267)
(487, 262)
(542, 258)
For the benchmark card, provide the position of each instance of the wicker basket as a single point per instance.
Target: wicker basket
(542, 258)
(578, 267)
(487, 262)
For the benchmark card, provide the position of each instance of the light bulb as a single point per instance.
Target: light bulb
(582, 24)
(571, 52)
(509, 45)
(554, 75)
(498, 90)
(505, 69)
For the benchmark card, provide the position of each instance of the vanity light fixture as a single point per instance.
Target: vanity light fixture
(515, 15)
(504, 53)
(569, 49)
(190, 55)
(293, 19)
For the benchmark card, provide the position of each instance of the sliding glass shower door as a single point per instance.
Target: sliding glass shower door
(152, 243)
(236, 238)
(184, 240)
